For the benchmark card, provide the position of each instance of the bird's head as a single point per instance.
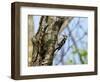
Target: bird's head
(65, 36)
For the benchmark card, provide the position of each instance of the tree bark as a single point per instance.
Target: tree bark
(45, 40)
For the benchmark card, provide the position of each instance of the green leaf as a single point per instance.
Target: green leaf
(83, 53)
(69, 62)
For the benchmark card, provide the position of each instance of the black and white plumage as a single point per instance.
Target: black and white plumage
(60, 44)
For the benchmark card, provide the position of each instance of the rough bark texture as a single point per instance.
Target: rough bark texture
(45, 39)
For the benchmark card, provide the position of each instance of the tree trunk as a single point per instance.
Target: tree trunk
(30, 35)
(45, 39)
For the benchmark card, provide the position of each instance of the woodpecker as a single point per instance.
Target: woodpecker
(61, 43)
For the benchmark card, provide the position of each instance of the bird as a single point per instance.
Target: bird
(61, 43)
